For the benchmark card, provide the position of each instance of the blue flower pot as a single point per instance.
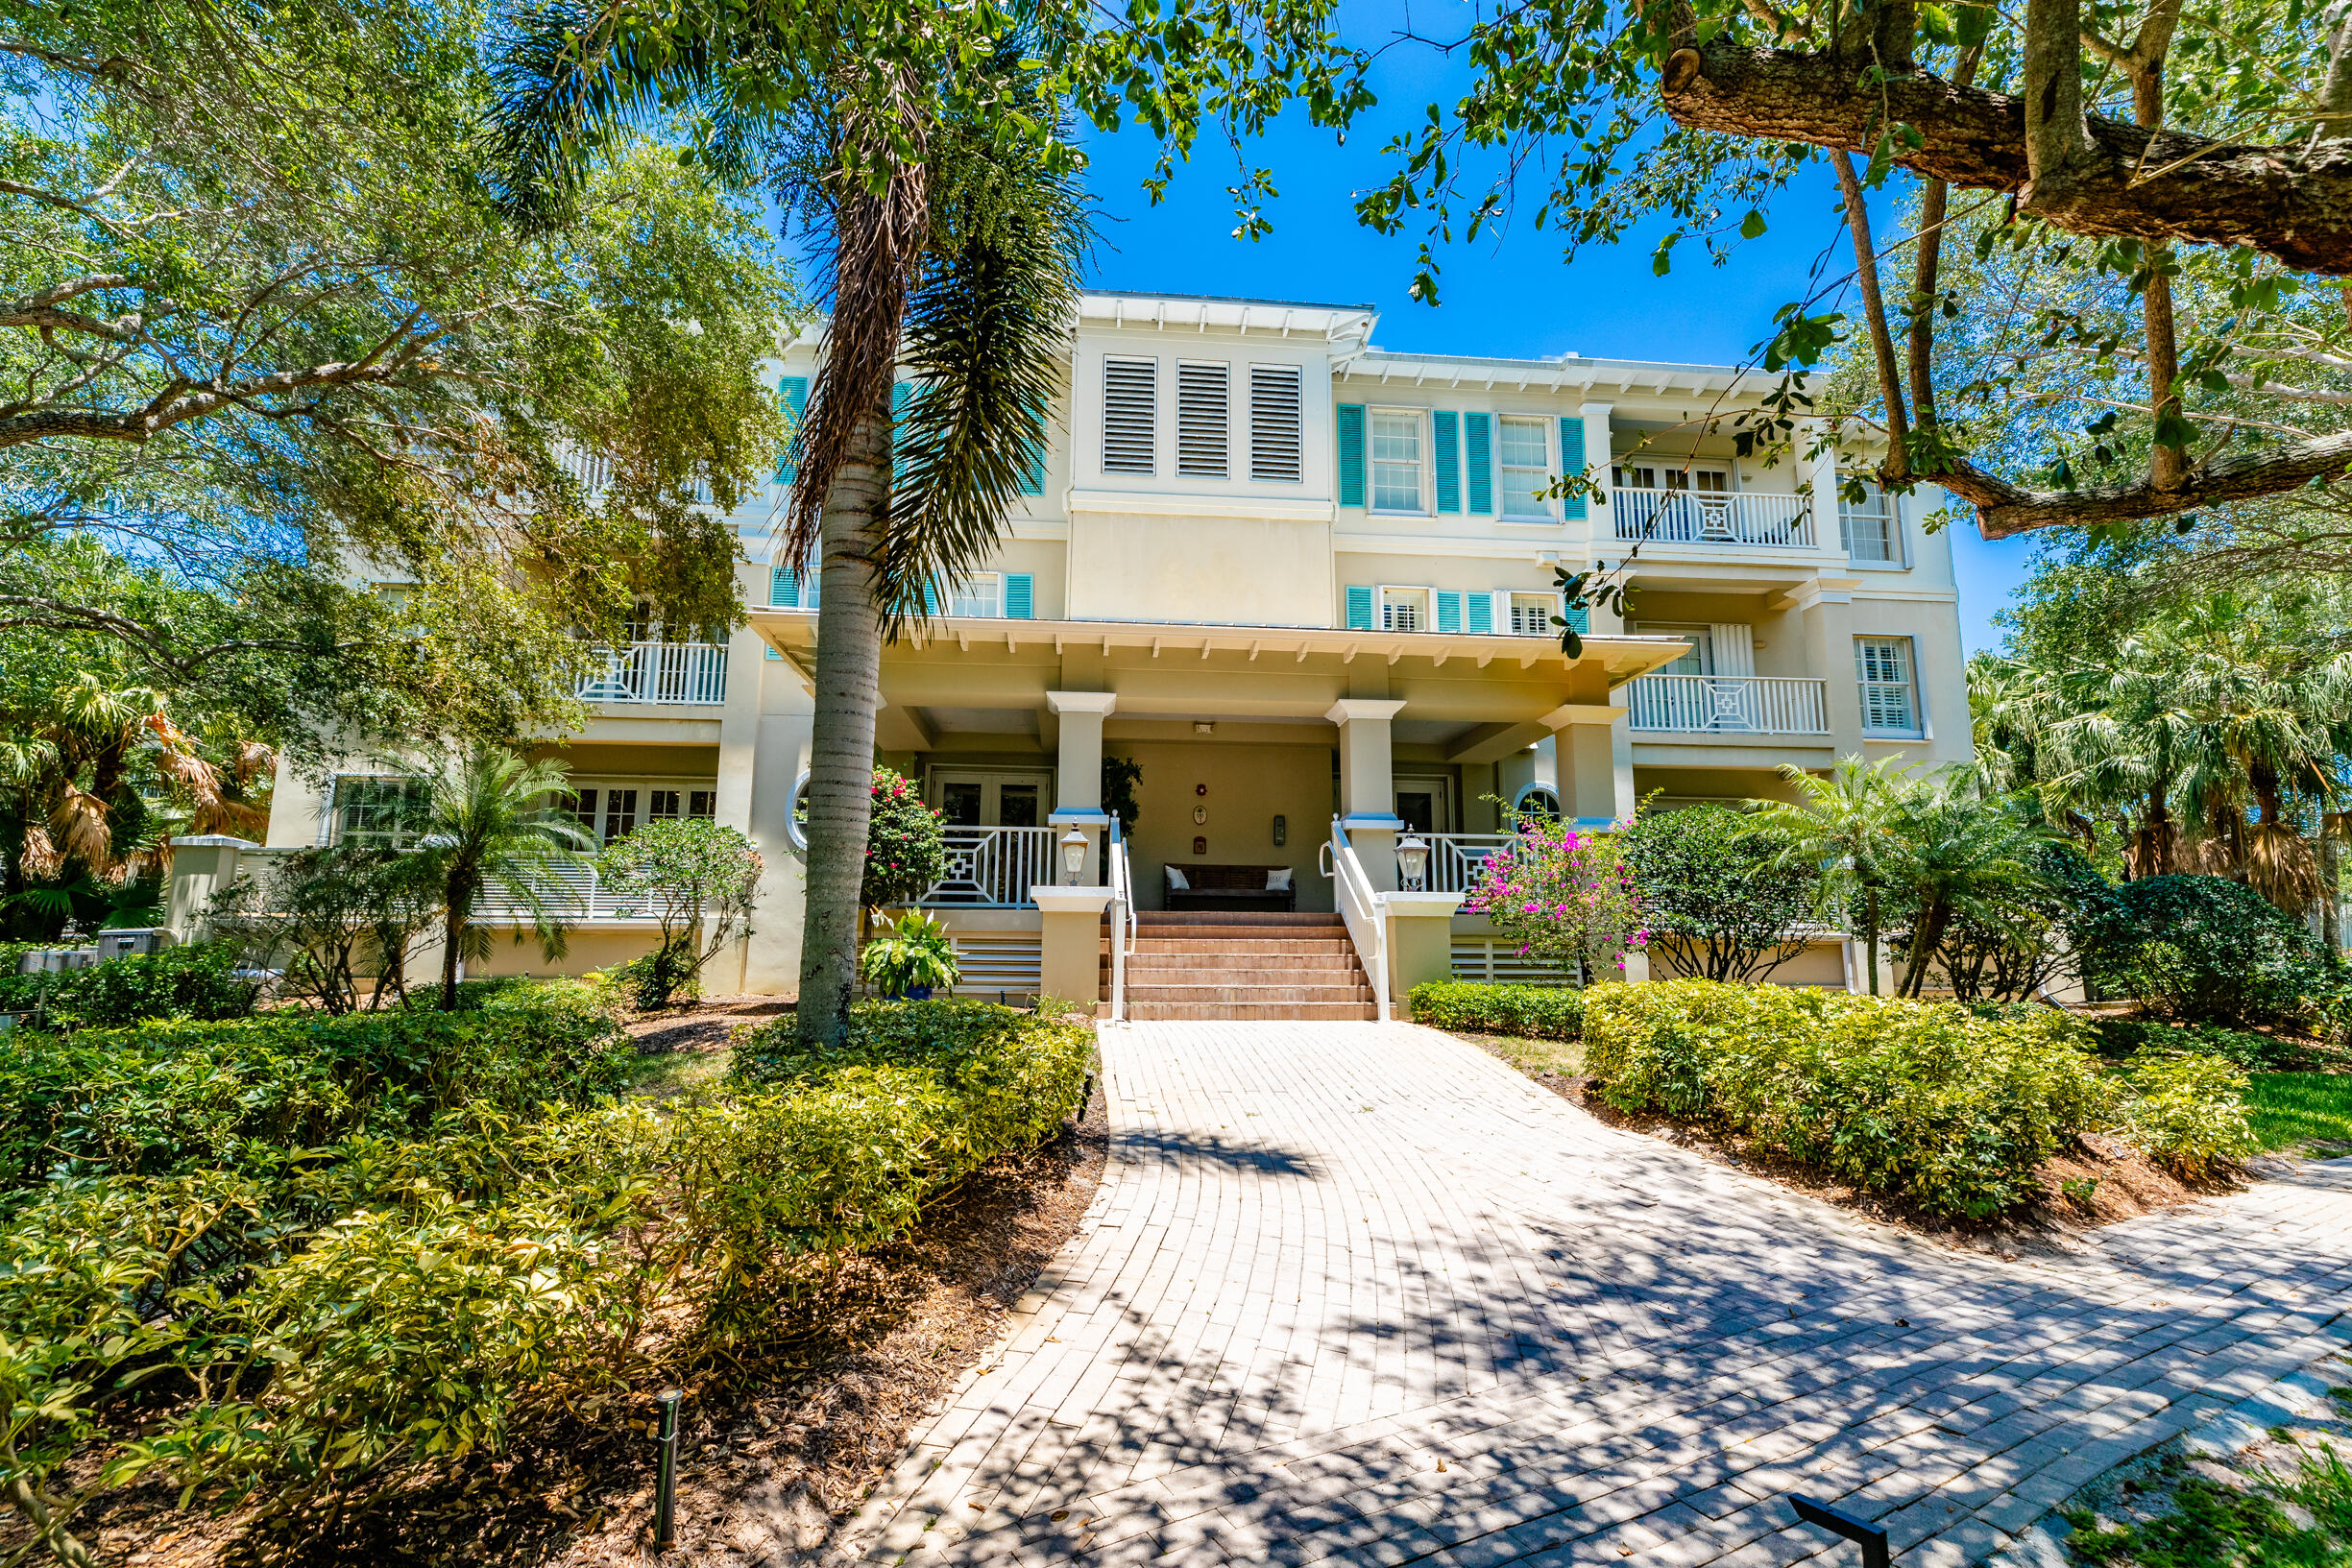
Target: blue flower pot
(917, 992)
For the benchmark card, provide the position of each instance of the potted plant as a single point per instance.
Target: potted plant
(911, 960)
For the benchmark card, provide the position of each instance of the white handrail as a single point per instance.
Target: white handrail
(1365, 911)
(1122, 921)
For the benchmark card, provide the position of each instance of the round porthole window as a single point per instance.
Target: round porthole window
(796, 825)
(1540, 801)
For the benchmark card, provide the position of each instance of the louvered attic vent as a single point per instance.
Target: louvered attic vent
(1273, 424)
(1131, 414)
(1205, 398)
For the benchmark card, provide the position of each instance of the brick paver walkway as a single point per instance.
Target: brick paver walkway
(1359, 1293)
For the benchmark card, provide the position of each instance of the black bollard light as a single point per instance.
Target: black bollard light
(666, 1481)
(1871, 1538)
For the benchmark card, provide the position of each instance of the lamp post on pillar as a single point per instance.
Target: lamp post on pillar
(1367, 786)
(1077, 782)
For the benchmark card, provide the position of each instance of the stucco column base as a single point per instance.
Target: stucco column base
(203, 866)
(1375, 842)
(1636, 967)
(1070, 946)
(1421, 939)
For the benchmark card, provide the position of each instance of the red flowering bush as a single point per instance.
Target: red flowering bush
(1564, 896)
(905, 847)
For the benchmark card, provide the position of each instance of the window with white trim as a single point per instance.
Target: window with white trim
(378, 814)
(1397, 460)
(1527, 468)
(1531, 614)
(1705, 481)
(982, 594)
(1276, 445)
(1131, 415)
(1633, 476)
(1868, 527)
(1204, 417)
(1885, 669)
(1404, 610)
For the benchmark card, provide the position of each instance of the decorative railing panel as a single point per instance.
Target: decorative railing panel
(993, 868)
(1457, 861)
(1692, 517)
(1727, 705)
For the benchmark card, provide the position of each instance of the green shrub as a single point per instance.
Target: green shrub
(916, 955)
(169, 1095)
(1544, 1012)
(2186, 1110)
(1925, 1101)
(2202, 950)
(906, 845)
(2119, 1037)
(200, 982)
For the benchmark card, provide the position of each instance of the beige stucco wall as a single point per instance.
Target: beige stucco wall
(1249, 785)
(1242, 571)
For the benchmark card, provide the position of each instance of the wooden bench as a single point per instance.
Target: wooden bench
(1231, 888)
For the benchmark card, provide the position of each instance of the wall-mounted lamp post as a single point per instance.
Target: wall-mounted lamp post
(1073, 856)
(1412, 861)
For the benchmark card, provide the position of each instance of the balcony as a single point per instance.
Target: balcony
(992, 868)
(1727, 705)
(1685, 516)
(658, 674)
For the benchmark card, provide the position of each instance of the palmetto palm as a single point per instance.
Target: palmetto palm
(1847, 824)
(487, 817)
(951, 232)
(1955, 851)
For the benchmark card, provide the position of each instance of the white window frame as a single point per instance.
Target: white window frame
(395, 839)
(1888, 517)
(691, 793)
(1545, 608)
(1908, 652)
(1546, 511)
(1701, 642)
(964, 601)
(1419, 418)
(1411, 597)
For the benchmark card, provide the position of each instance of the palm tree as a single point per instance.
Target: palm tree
(951, 232)
(488, 816)
(1845, 825)
(1955, 853)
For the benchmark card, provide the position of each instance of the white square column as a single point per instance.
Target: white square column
(1077, 779)
(1596, 761)
(1367, 784)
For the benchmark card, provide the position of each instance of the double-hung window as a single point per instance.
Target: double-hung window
(1886, 671)
(1404, 610)
(981, 595)
(1397, 460)
(1868, 527)
(1526, 465)
(378, 814)
(1531, 614)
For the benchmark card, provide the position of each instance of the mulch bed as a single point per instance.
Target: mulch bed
(2125, 1183)
(775, 1454)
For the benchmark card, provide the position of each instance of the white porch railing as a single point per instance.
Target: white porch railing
(1728, 704)
(1692, 517)
(572, 892)
(1457, 861)
(1351, 891)
(1122, 921)
(992, 868)
(693, 673)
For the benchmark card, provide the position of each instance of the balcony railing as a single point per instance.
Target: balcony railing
(1728, 704)
(1457, 861)
(688, 673)
(1685, 517)
(993, 868)
(572, 892)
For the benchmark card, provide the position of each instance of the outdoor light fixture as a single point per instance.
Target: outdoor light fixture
(1072, 855)
(1412, 859)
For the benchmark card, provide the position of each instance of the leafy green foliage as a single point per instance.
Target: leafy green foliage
(916, 953)
(1120, 777)
(1723, 895)
(701, 880)
(1923, 1101)
(1565, 895)
(2186, 1110)
(2202, 950)
(2300, 1520)
(1542, 1012)
(204, 981)
(905, 850)
(337, 922)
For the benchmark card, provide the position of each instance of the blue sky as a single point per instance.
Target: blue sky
(1508, 294)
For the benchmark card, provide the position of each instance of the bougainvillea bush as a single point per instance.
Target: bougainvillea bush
(906, 848)
(1565, 895)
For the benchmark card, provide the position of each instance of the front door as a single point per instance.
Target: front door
(969, 798)
(1425, 804)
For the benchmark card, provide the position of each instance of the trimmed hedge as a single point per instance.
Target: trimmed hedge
(2203, 950)
(1540, 1012)
(200, 981)
(1923, 1102)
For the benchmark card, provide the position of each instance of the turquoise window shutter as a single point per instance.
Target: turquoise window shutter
(900, 394)
(784, 587)
(1446, 427)
(1580, 618)
(1572, 464)
(1359, 608)
(1020, 596)
(1482, 614)
(794, 390)
(1478, 448)
(1351, 456)
(1449, 612)
(931, 598)
(1032, 479)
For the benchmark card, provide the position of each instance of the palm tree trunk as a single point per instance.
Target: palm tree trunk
(842, 743)
(453, 934)
(1870, 917)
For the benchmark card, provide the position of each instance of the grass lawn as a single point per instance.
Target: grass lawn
(2289, 1109)
(1565, 1057)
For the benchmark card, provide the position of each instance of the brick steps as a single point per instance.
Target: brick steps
(1214, 965)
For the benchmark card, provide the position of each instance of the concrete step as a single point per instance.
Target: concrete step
(1234, 917)
(1198, 948)
(1270, 995)
(1145, 1012)
(1223, 975)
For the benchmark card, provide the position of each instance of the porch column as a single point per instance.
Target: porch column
(1600, 516)
(203, 866)
(738, 790)
(1077, 780)
(1596, 761)
(1367, 784)
(1069, 942)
